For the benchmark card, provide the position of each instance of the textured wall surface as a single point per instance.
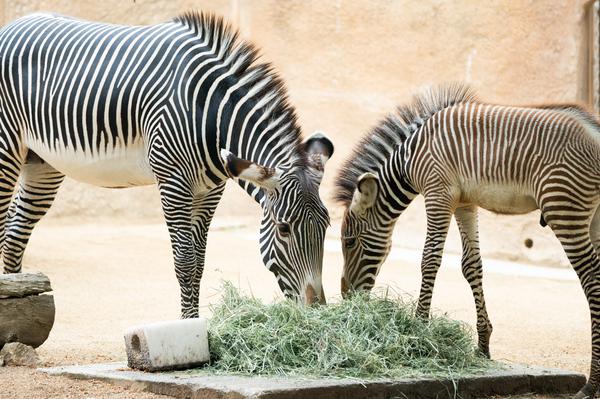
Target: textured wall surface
(348, 63)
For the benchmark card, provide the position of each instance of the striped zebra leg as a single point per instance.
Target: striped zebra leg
(203, 209)
(38, 185)
(571, 227)
(472, 270)
(12, 156)
(177, 202)
(439, 215)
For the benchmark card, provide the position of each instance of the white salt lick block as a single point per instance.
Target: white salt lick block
(167, 345)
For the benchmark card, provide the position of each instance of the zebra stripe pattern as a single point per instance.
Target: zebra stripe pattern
(460, 154)
(183, 105)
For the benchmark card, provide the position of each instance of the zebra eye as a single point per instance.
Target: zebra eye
(284, 228)
(350, 242)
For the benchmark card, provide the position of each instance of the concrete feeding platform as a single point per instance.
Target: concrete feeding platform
(513, 379)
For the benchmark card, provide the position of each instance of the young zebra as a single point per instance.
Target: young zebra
(460, 154)
(173, 104)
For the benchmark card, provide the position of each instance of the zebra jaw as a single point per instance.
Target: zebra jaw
(261, 176)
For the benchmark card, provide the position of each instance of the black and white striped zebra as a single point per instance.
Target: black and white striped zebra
(459, 154)
(183, 105)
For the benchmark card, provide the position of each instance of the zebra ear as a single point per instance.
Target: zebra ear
(318, 149)
(238, 168)
(365, 193)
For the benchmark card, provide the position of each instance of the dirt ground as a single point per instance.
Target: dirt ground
(110, 275)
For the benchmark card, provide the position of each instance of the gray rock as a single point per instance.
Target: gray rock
(27, 320)
(18, 285)
(18, 354)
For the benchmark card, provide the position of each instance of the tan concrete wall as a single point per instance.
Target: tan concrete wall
(348, 63)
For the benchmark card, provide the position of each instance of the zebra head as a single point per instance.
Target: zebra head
(292, 230)
(366, 237)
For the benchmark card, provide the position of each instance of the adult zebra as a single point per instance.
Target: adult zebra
(461, 153)
(172, 104)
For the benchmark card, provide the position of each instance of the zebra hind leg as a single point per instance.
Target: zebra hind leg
(38, 184)
(203, 209)
(439, 215)
(472, 270)
(575, 237)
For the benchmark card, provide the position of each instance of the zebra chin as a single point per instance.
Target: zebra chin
(311, 297)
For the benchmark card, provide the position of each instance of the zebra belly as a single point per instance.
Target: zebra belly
(119, 167)
(500, 199)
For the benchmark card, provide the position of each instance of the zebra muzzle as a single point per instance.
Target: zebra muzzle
(345, 288)
(312, 297)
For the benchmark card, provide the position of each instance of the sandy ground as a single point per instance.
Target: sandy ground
(110, 275)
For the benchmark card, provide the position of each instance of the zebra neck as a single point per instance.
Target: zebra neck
(260, 131)
(238, 107)
(396, 192)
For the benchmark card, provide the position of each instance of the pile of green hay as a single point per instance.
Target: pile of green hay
(366, 336)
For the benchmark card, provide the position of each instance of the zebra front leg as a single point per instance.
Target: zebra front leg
(573, 233)
(38, 185)
(439, 215)
(472, 270)
(176, 202)
(11, 161)
(203, 209)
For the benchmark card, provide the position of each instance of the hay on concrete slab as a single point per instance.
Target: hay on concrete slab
(366, 336)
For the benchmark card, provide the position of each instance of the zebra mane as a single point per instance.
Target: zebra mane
(580, 112)
(381, 141)
(260, 77)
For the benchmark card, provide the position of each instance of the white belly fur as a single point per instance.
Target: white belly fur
(508, 200)
(117, 168)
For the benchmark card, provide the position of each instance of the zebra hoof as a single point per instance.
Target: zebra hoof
(587, 392)
(485, 353)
